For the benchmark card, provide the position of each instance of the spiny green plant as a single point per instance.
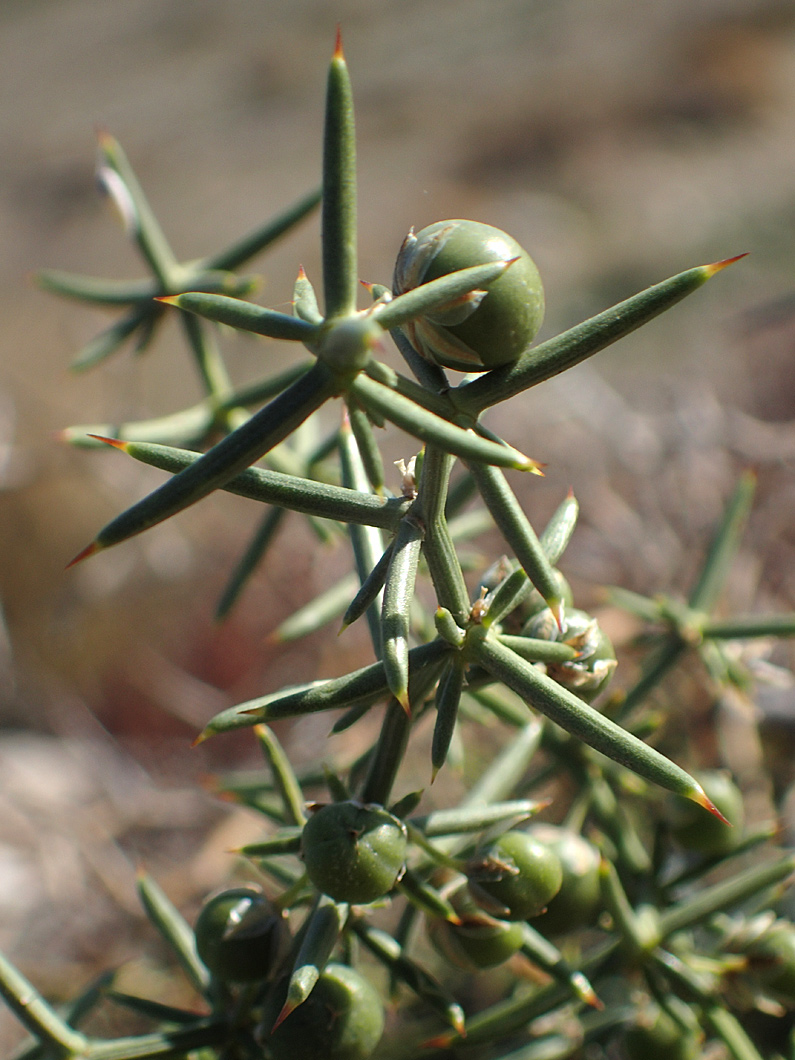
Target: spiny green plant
(661, 936)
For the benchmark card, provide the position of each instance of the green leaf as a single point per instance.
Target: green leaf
(246, 316)
(724, 545)
(448, 697)
(419, 422)
(220, 464)
(135, 209)
(557, 533)
(173, 928)
(340, 269)
(366, 685)
(286, 491)
(429, 296)
(107, 342)
(284, 779)
(517, 531)
(32, 1010)
(249, 561)
(239, 252)
(413, 975)
(320, 935)
(581, 720)
(582, 341)
(304, 301)
(395, 611)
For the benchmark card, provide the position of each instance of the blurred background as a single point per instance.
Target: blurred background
(619, 143)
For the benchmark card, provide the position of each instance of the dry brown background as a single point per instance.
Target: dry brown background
(619, 141)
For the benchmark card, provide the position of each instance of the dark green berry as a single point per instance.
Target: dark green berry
(342, 1019)
(354, 852)
(771, 960)
(479, 940)
(479, 331)
(517, 876)
(239, 935)
(578, 901)
(659, 1037)
(588, 674)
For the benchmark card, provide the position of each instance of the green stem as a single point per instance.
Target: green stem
(212, 369)
(438, 548)
(33, 1011)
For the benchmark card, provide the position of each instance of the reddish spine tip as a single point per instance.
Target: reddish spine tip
(285, 1012)
(556, 607)
(338, 54)
(301, 273)
(117, 443)
(168, 299)
(704, 800)
(441, 1041)
(200, 738)
(367, 286)
(590, 998)
(716, 266)
(89, 550)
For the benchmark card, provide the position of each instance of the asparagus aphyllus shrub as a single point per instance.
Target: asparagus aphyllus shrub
(647, 917)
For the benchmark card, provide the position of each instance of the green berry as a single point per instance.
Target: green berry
(478, 941)
(588, 674)
(239, 936)
(354, 852)
(771, 960)
(660, 1038)
(579, 898)
(342, 1019)
(517, 877)
(479, 331)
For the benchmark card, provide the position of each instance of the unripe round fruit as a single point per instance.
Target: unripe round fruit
(517, 877)
(342, 1019)
(660, 1039)
(702, 832)
(579, 898)
(771, 960)
(477, 332)
(354, 852)
(588, 674)
(479, 941)
(239, 936)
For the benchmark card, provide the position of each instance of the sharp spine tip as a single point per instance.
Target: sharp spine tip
(717, 266)
(117, 443)
(556, 607)
(89, 550)
(700, 797)
(441, 1041)
(403, 700)
(285, 1012)
(338, 54)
